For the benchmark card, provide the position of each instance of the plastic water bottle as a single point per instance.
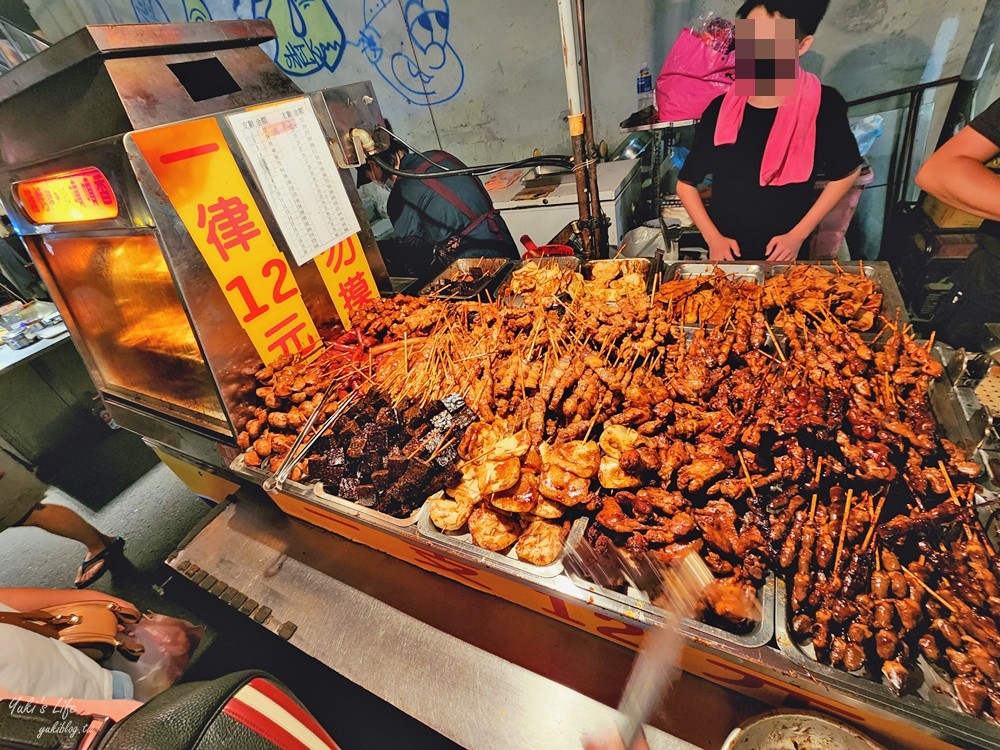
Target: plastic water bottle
(644, 87)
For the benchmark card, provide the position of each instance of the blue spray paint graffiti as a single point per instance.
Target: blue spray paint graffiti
(310, 37)
(418, 60)
(149, 11)
(196, 11)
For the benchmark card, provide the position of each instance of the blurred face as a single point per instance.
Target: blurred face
(767, 54)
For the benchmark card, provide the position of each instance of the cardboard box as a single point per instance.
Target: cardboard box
(949, 217)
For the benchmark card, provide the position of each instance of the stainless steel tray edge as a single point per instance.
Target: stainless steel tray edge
(879, 270)
(640, 266)
(309, 491)
(755, 272)
(760, 636)
(762, 270)
(571, 262)
(488, 285)
(427, 529)
(946, 723)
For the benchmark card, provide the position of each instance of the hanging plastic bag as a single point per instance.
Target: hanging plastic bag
(169, 643)
(701, 66)
(866, 131)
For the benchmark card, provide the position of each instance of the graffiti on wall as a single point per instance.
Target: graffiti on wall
(149, 11)
(310, 36)
(417, 59)
(196, 11)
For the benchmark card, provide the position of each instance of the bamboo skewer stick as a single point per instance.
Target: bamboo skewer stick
(928, 589)
(746, 473)
(777, 346)
(593, 421)
(871, 531)
(843, 530)
(947, 480)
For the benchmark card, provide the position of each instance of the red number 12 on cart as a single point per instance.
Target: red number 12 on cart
(197, 171)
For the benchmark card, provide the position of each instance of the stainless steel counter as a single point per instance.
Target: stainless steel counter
(480, 670)
(46, 399)
(13, 357)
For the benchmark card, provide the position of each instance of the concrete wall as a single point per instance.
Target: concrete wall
(493, 87)
(497, 88)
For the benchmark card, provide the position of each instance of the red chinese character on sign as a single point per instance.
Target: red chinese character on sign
(287, 336)
(336, 257)
(355, 291)
(228, 223)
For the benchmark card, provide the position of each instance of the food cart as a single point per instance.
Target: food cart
(186, 241)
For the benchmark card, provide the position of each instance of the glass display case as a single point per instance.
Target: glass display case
(135, 334)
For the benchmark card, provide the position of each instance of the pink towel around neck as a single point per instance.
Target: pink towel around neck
(791, 148)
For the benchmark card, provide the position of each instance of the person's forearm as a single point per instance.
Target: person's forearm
(962, 182)
(695, 206)
(832, 194)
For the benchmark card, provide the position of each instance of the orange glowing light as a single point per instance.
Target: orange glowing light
(68, 197)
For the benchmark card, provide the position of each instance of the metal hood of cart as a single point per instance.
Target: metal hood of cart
(152, 324)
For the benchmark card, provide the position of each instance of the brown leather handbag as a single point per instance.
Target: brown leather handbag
(97, 628)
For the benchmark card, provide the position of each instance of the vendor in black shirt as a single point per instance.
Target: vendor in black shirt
(956, 174)
(767, 140)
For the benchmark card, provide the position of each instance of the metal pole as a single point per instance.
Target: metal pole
(571, 65)
(576, 121)
(598, 226)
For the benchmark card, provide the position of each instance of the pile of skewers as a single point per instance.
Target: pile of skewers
(753, 425)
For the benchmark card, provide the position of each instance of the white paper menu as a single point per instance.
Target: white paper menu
(295, 170)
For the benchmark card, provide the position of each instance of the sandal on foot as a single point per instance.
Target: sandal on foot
(106, 556)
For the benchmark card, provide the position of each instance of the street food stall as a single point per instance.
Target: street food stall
(193, 216)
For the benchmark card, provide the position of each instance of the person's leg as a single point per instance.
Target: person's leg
(65, 522)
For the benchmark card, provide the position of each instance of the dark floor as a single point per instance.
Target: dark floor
(119, 485)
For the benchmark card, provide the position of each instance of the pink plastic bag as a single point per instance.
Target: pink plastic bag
(169, 643)
(692, 76)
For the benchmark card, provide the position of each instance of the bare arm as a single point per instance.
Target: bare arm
(719, 247)
(832, 194)
(956, 175)
(786, 247)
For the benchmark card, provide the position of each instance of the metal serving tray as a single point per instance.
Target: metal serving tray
(760, 635)
(880, 271)
(934, 702)
(754, 273)
(315, 493)
(571, 262)
(562, 261)
(640, 266)
(505, 561)
(495, 270)
(777, 269)
(758, 273)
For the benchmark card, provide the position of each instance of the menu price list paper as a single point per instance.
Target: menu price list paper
(297, 174)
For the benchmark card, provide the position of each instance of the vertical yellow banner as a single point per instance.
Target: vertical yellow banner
(348, 277)
(203, 182)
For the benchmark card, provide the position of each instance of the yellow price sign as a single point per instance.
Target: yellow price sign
(199, 174)
(348, 277)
